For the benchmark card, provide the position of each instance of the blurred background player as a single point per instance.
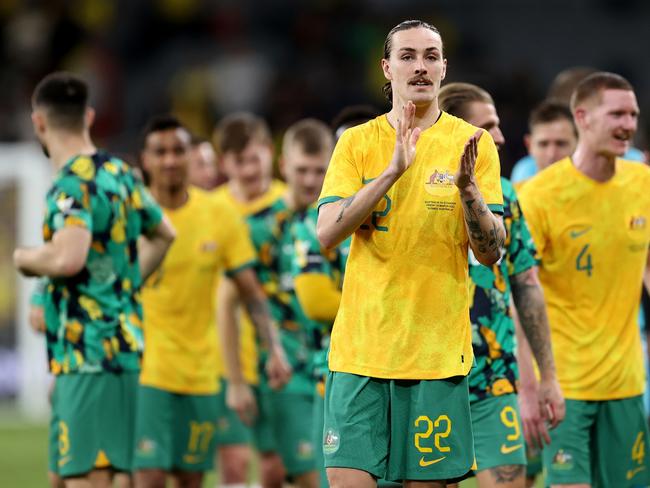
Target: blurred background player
(285, 421)
(317, 278)
(175, 423)
(496, 422)
(352, 116)
(245, 151)
(103, 235)
(408, 210)
(588, 215)
(551, 135)
(203, 172)
(560, 92)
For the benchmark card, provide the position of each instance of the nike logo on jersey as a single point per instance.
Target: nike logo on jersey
(633, 472)
(508, 449)
(424, 463)
(574, 234)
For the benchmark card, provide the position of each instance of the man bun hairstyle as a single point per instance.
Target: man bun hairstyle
(388, 46)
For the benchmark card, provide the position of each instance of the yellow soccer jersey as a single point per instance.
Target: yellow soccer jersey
(248, 345)
(592, 239)
(181, 349)
(404, 310)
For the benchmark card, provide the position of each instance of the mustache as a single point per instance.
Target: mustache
(420, 78)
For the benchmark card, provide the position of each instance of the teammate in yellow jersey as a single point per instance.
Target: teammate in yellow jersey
(416, 188)
(588, 215)
(176, 411)
(498, 440)
(245, 150)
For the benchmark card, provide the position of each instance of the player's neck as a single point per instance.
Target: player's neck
(65, 146)
(240, 195)
(292, 202)
(170, 197)
(425, 115)
(595, 165)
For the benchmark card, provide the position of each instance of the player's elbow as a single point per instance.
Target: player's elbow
(488, 258)
(325, 237)
(69, 265)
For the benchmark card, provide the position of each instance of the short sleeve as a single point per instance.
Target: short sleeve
(307, 256)
(521, 250)
(488, 173)
(238, 252)
(149, 210)
(68, 205)
(343, 178)
(534, 210)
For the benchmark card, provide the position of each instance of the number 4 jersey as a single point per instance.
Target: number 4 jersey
(592, 240)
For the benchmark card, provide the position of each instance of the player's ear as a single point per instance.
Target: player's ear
(580, 116)
(39, 122)
(385, 67)
(527, 142)
(443, 73)
(89, 117)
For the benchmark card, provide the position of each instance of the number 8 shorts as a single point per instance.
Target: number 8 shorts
(398, 429)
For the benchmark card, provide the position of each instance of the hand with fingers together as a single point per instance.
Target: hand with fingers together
(406, 138)
(465, 176)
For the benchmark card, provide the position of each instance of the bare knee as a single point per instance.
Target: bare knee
(150, 478)
(272, 472)
(307, 480)
(233, 463)
(350, 478)
(187, 479)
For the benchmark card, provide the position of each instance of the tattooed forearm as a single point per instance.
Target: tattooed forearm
(345, 204)
(485, 233)
(259, 312)
(529, 301)
(508, 474)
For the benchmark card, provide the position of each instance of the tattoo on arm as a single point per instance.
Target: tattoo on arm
(529, 300)
(345, 204)
(259, 312)
(485, 240)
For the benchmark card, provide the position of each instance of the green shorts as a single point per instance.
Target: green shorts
(174, 431)
(317, 432)
(398, 429)
(601, 443)
(230, 429)
(53, 444)
(93, 422)
(285, 425)
(498, 437)
(533, 462)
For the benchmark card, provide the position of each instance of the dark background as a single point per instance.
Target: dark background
(290, 59)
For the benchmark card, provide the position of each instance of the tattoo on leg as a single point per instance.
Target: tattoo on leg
(507, 474)
(345, 204)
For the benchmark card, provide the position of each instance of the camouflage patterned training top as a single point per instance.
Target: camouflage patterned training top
(493, 331)
(93, 319)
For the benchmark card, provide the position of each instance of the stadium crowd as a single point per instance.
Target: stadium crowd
(391, 311)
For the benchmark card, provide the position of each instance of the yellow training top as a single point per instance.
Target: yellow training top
(405, 305)
(181, 348)
(592, 239)
(248, 346)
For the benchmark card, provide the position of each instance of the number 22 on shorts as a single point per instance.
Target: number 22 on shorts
(442, 425)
